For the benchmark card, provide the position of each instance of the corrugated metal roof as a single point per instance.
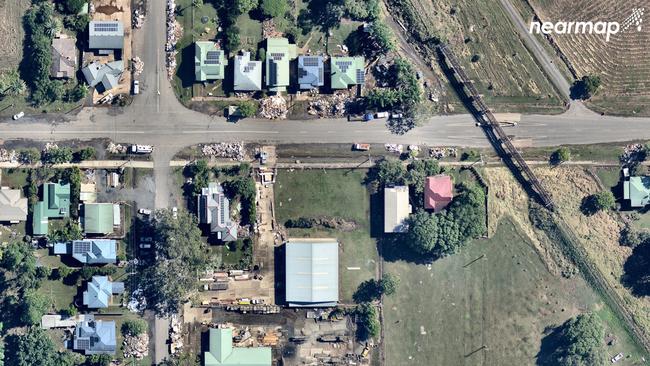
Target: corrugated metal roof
(248, 74)
(438, 192)
(13, 207)
(98, 218)
(222, 353)
(637, 190)
(310, 72)
(278, 54)
(312, 272)
(105, 35)
(346, 71)
(396, 209)
(209, 61)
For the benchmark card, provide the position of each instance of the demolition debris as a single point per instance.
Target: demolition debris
(229, 150)
(274, 107)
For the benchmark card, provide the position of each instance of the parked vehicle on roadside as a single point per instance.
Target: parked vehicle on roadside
(144, 211)
(18, 115)
(136, 87)
(361, 147)
(381, 115)
(141, 149)
(145, 246)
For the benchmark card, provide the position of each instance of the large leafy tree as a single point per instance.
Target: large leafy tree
(391, 172)
(35, 347)
(274, 8)
(368, 325)
(180, 256)
(580, 342)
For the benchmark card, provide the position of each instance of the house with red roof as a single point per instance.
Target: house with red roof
(438, 192)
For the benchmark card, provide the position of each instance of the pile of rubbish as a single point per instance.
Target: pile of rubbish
(49, 146)
(174, 33)
(229, 150)
(175, 334)
(137, 347)
(137, 303)
(138, 66)
(274, 107)
(442, 152)
(633, 153)
(394, 148)
(138, 19)
(269, 31)
(8, 155)
(116, 149)
(329, 105)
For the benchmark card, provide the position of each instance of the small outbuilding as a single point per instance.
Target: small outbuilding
(312, 272)
(64, 58)
(438, 192)
(637, 191)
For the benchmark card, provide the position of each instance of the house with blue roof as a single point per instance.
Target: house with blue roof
(222, 353)
(93, 337)
(311, 72)
(100, 291)
(89, 251)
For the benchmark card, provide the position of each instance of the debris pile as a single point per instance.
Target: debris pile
(274, 107)
(633, 153)
(269, 31)
(394, 148)
(138, 66)
(174, 33)
(8, 155)
(230, 150)
(49, 146)
(175, 334)
(137, 303)
(138, 19)
(442, 152)
(329, 105)
(137, 347)
(116, 148)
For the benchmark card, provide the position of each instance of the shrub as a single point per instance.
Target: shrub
(273, 8)
(560, 155)
(134, 327)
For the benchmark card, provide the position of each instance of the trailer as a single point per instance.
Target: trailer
(361, 147)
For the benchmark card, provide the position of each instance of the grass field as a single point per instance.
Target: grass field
(625, 74)
(496, 293)
(506, 74)
(333, 193)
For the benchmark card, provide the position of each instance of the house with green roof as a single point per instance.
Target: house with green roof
(637, 191)
(98, 218)
(222, 352)
(55, 204)
(278, 55)
(347, 71)
(209, 61)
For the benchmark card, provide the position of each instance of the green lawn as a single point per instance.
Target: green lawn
(333, 193)
(60, 295)
(14, 178)
(496, 293)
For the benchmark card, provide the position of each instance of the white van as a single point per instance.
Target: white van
(141, 149)
(136, 87)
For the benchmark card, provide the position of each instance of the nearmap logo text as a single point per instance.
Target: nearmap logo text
(608, 29)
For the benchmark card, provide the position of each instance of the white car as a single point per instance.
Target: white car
(144, 211)
(145, 246)
(136, 87)
(18, 115)
(175, 212)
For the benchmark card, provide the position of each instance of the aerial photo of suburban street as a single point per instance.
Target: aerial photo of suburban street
(324, 182)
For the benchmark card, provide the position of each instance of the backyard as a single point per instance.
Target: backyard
(487, 305)
(332, 194)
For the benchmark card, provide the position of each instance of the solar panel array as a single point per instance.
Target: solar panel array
(310, 61)
(212, 58)
(343, 65)
(249, 67)
(276, 56)
(81, 247)
(361, 78)
(106, 27)
(83, 343)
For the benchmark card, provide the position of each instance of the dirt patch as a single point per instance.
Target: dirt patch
(323, 222)
(108, 9)
(11, 32)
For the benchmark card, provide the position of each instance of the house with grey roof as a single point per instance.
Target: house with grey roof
(93, 337)
(106, 76)
(105, 36)
(89, 251)
(312, 272)
(248, 74)
(311, 72)
(13, 207)
(100, 291)
(214, 210)
(64, 58)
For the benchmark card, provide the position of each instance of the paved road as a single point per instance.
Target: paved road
(538, 51)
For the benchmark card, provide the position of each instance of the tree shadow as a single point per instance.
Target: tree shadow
(367, 291)
(636, 275)
(551, 342)
(588, 206)
(393, 247)
(185, 70)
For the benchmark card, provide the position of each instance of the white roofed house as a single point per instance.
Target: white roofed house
(214, 210)
(248, 74)
(396, 209)
(13, 207)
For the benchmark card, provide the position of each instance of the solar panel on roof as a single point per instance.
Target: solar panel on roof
(83, 343)
(211, 62)
(360, 77)
(213, 55)
(81, 247)
(310, 61)
(106, 27)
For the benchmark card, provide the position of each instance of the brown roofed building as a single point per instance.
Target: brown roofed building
(64, 58)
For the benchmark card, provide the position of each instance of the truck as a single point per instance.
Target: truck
(136, 87)
(361, 147)
(141, 149)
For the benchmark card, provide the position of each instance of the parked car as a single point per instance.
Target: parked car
(145, 246)
(361, 147)
(18, 115)
(144, 211)
(396, 115)
(175, 212)
(381, 115)
(141, 149)
(368, 117)
(136, 87)
(146, 239)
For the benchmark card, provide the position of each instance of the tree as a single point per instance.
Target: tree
(86, 153)
(77, 93)
(68, 232)
(34, 306)
(560, 155)
(382, 37)
(35, 347)
(232, 38)
(98, 360)
(391, 172)
(29, 156)
(578, 342)
(470, 155)
(74, 6)
(383, 99)
(180, 255)
(273, 8)
(367, 291)
(18, 258)
(476, 58)
(11, 84)
(367, 321)
(422, 235)
(244, 6)
(586, 87)
(247, 109)
(388, 284)
(77, 23)
(57, 155)
(601, 201)
(134, 327)
(419, 170)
